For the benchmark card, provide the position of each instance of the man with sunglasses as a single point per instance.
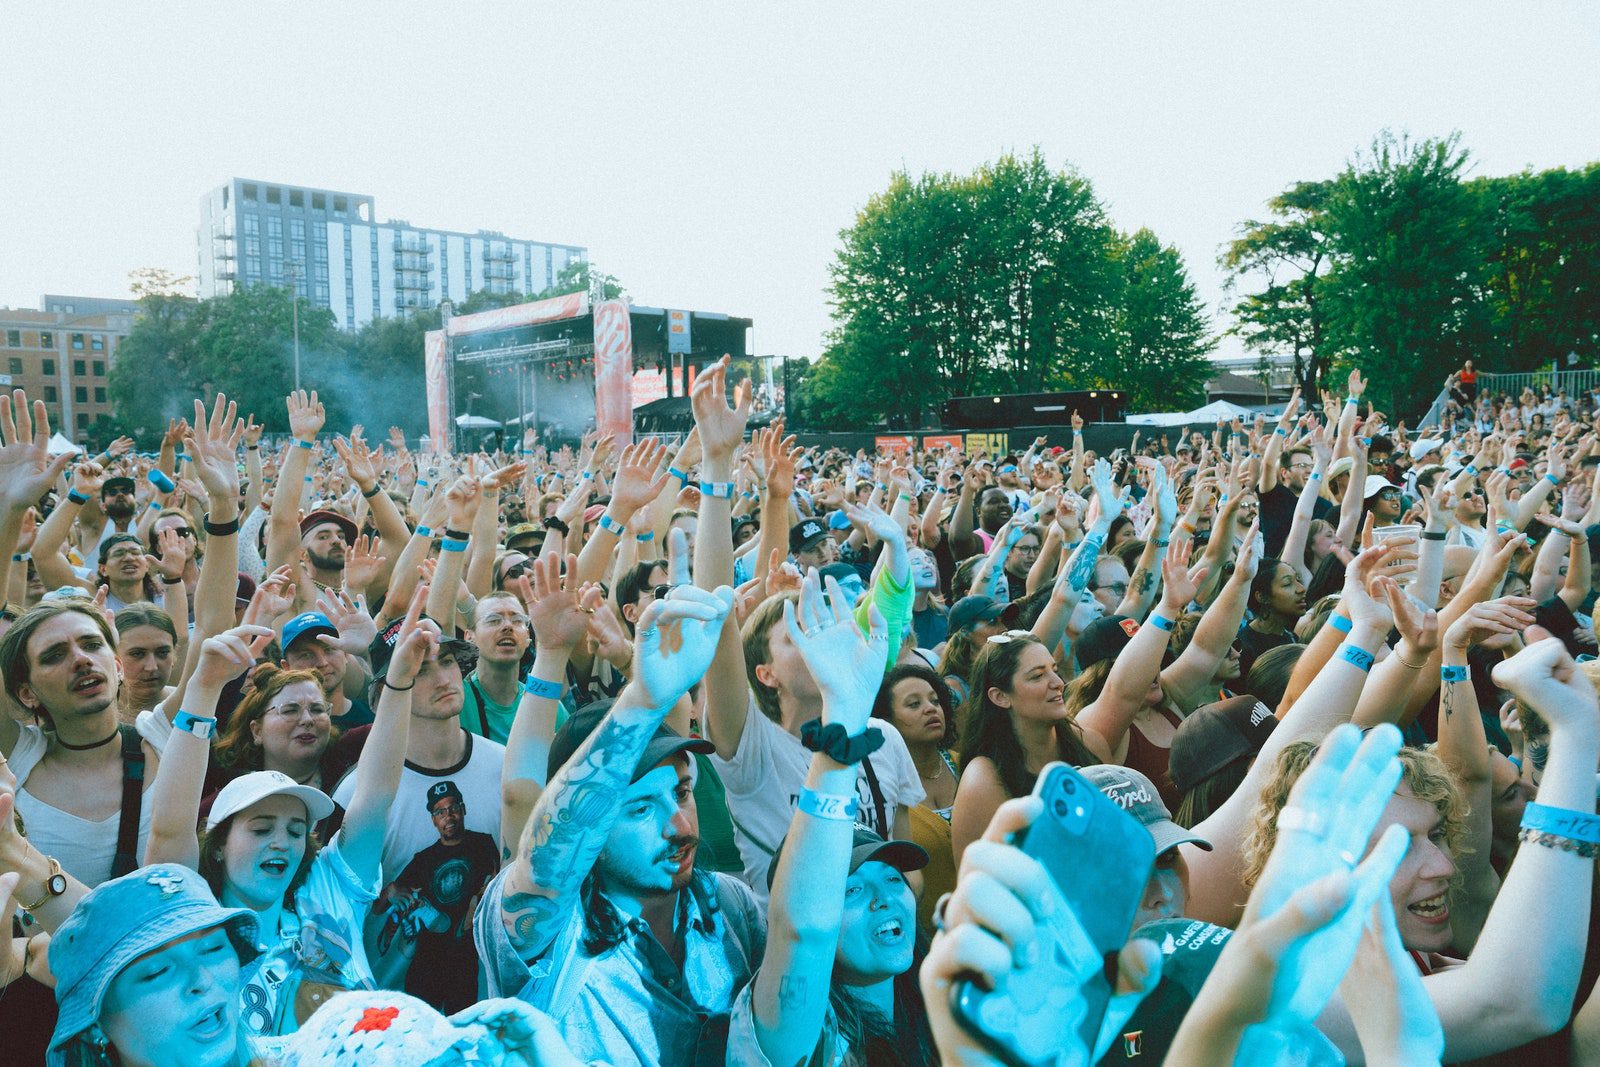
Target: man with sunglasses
(1279, 489)
(1472, 507)
(1383, 499)
(490, 694)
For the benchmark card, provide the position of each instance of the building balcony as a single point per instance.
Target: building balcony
(410, 261)
(497, 252)
(502, 271)
(410, 242)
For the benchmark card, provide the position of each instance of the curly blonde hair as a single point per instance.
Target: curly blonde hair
(1421, 770)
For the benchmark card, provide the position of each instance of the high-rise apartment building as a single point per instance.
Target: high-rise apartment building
(64, 358)
(331, 248)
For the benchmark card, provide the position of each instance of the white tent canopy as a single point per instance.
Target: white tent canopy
(1217, 409)
(60, 445)
(476, 422)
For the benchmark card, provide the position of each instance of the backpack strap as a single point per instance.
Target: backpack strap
(127, 858)
(878, 804)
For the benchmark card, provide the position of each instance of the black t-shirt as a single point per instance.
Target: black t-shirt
(1252, 643)
(1277, 515)
(438, 890)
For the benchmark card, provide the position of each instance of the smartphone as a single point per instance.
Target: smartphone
(1100, 858)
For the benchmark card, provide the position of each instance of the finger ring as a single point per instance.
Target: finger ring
(1311, 822)
(1348, 858)
(649, 634)
(938, 911)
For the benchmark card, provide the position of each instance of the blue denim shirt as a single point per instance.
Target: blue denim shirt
(629, 1003)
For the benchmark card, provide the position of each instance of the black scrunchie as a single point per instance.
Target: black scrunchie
(832, 741)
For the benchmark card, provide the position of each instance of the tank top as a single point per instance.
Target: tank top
(1151, 759)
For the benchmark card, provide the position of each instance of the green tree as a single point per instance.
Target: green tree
(1161, 338)
(1285, 258)
(1001, 281)
(1401, 297)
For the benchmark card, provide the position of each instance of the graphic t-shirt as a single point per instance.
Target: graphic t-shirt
(428, 918)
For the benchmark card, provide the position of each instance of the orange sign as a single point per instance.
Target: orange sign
(946, 440)
(892, 444)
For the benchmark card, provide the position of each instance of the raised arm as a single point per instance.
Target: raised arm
(1273, 453)
(1189, 678)
(462, 500)
(637, 484)
(384, 755)
(1305, 506)
(790, 999)
(721, 428)
(306, 416)
(571, 821)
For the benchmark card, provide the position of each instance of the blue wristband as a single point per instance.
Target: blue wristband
(1279, 431)
(423, 531)
(611, 525)
(831, 806)
(1316, 476)
(1353, 400)
(720, 490)
(307, 445)
(1357, 657)
(586, 475)
(1159, 623)
(538, 687)
(1552, 479)
(648, 535)
(77, 497)
(1340, 623)
(200, 726)
(678, 474)
(1455, 674)
(422, 482)
(450, 544)
(1470, 469)
(1562, 822)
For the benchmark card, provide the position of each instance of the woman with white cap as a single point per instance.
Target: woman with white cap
(258, 851)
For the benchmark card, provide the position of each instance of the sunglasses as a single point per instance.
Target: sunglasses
(1009, 636)
(1388, 494)
(515, 571)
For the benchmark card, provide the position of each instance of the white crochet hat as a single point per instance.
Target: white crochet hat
(379, 1028)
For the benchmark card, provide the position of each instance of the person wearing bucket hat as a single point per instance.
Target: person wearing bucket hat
(602, 902)
(258, 852)
(841, 955)
(149, 969)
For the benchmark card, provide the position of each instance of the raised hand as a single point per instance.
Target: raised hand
(350, 617)
(462, 499)
(607, 639)
(27, 470)
(557, 619)
(213, 449)
(640, 477)
(1326, 825)
(306, 414)
(229, 654)
(1418, 626)
(779, 455)
(414, 645)
(88, 477)
(274, 597)
(881, 524)
(1544, 677)
(846, 665)
(362, 564)
(1179, 585)
(1105, 491)
(174, 555)
(252, 431)
(1357, 599)
(721, 425)
(676, 640)
(363, 465)
(501, 477)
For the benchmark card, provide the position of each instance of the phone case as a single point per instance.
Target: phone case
(1100, 858)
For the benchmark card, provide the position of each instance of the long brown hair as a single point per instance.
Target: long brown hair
(987, 729)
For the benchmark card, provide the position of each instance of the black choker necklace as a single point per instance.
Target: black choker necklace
(91, 744)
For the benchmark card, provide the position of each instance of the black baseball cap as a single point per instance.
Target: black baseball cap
(443, 791)
(807, 534)
(119, 484)
(1104, 639)
(904, 856)
(666, 743)
(465, 653)
(1216, 735)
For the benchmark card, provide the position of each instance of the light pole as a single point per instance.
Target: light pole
(292, 268)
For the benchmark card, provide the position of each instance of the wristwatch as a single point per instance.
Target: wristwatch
(55, 884)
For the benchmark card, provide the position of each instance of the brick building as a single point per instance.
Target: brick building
(64, 358)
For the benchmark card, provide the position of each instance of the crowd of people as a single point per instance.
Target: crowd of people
(729, 750)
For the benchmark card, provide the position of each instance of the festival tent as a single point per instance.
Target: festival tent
(476, 422)
(60, 445)
(1217, 409)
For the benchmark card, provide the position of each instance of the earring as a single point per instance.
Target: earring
(97, 1038)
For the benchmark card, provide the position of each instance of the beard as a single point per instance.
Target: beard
(326, 563)
(118, 512)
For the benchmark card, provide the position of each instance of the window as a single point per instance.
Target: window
(322, 292)
(274, 195)
(14, 338)
(83, 424)
(14, 365)
(319, 202)
(77, 341)
(249, 192)
(252, 246)
(340, 205)
(99, 394)
(99, 368)
(49, 394)
(47, 339)
(319, 251)
(97, 343)
(81, 395)
(297, 198)
(320, 272)
(252, 224)
(80, 369)
(274, 226)
(297, 229)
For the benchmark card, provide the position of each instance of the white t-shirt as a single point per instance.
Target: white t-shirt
(765, 776)
(85, 850)
(411, 828)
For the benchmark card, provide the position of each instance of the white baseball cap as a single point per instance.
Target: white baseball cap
(247, 789)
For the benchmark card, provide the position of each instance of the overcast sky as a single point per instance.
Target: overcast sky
(709, 154)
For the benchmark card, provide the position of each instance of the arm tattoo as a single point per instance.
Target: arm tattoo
(1083, 562)
(569, 826)
(792, 992)
(1143, 580)
(1445, 701)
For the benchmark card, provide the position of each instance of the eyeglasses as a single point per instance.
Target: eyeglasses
(1009, 636)
(1300, 466)
(1388, 494)
(660, 591)
(294, 711)
(124, 553)
(515, 571)
(518, 622)
(451, 809)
